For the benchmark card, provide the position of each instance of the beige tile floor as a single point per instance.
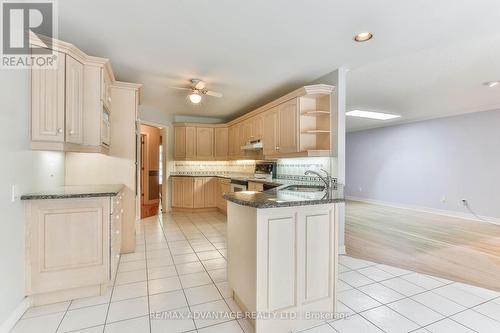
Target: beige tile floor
(180, 267)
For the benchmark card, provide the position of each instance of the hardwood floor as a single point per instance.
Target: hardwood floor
(451, 248)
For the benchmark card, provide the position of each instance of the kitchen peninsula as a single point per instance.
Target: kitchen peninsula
(283, 250)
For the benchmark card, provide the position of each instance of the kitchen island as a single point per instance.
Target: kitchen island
(282, 255)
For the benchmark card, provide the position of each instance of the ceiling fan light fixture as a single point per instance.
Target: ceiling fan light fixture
(195, 97)
(363, 37)
(491, 84)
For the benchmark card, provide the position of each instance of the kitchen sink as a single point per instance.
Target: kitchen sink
(304, 188)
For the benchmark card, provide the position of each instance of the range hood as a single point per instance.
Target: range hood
(253, 145)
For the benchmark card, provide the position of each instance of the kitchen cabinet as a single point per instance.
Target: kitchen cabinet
(210, 192)
(195, 192)
(270, 133)
(288, 127)
(72, 247)
(204, 143)
(184, 143)
(68, 102)
(255, 186)
(224, 187)
(48, 103)
(221, 143)
(74, 100)
(232, 141)
(199, 192)
(257, 127)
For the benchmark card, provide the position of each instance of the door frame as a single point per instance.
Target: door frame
(164, 134)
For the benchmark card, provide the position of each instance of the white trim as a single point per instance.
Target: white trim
(14, 317)
(342, 249)
(467, 216)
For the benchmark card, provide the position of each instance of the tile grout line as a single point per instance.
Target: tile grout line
(175, 266)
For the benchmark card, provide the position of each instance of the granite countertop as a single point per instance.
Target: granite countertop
(281, 197)
(76, 191)
(211, 174)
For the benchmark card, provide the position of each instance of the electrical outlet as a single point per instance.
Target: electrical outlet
(444, 199)
(15, 192)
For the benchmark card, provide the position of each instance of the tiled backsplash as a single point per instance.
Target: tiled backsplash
(189, 167)
(298, 166)
(289, 168)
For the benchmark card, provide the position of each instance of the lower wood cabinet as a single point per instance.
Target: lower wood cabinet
(255, 186)
(194, 192)
(72, 247)
(224, 186)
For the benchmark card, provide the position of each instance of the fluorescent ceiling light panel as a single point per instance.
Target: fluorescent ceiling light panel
(371, 115)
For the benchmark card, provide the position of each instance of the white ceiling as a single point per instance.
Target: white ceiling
(428, 58)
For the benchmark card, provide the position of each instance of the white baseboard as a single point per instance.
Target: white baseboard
(467, 216)
(18, 312)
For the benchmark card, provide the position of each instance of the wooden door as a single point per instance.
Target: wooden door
(232, 141)
(198, 192)
(221, 143)
(190, 143)
(47, 102)
(177, 194)
(204, 143)
(179, 142)
(187, 192)
(288, 127)
(270, 133)
(210, 192)
(74, 101)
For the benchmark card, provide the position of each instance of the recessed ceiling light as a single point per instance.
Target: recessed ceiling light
(195, 97)
(363, 36)
(371, 115)
(491, 84)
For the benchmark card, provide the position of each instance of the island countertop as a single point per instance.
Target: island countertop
(281, 197)
(76, 191)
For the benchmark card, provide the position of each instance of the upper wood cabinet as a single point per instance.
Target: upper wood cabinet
(47, 102)
(221, 143)
(71, 107)
(270, 133)
(288, 127)
(294, 125)
(74, 100)
(184, 143)
(204, 143)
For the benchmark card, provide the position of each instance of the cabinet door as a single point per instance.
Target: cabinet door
(221, 143)
(257, 127)
(232, 141)
(288, 127)
(270, 134)
(177, 196)
(47, 102)
(242, 140)
(210, 192)
(198, 192)
(74, 100)
(187, 192)
(247, 128)
(179, 142)
(190, 143)
(224, 188)
(204, 143)
(68, 244)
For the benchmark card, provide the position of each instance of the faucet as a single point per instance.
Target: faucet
(327, 180)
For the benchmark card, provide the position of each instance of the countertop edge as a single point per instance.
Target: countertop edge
(90, 194)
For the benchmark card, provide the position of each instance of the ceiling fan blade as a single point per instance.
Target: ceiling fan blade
(180, 88)
(199, 84)
(213, 93)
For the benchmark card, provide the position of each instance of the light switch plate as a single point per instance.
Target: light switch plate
(15, 192)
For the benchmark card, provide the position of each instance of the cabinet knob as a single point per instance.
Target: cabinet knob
(117, 232)
(121, 211)
(277, 148)
(109, 99)
(117, 217)
(71, 132)
(59, 130)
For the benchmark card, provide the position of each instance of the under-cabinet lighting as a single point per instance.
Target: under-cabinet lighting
(371, 115)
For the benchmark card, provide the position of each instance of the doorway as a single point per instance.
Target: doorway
(150, 170)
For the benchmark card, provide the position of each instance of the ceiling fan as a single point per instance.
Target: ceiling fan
(198, 89)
